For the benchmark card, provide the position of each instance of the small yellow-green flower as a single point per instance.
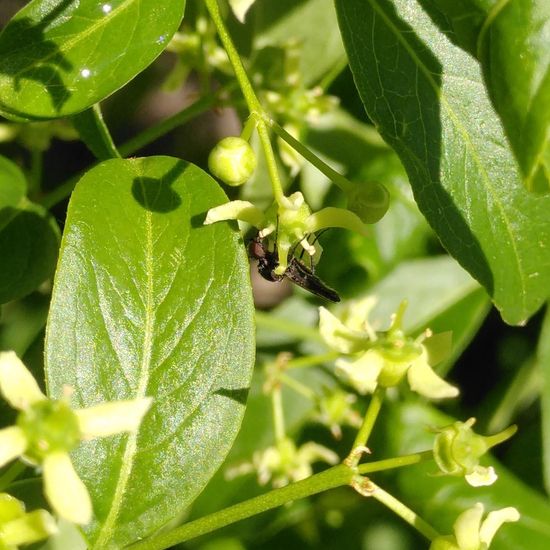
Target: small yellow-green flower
(46, 431)
(384, 358)
(18, 527)
(284, 462)
(335, 409)
(470, 533)
(291, 220)
(457, 450)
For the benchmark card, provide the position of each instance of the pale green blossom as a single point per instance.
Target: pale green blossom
(291, 220)
(374, 358)
(46, 431)
(470, 533)
(17, 527)
(284, 462)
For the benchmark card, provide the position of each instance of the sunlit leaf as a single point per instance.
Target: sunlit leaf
(148, 301)
(58, 57)
(427, 98)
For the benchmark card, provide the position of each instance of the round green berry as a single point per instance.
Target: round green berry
(369, 201)
(232, 161)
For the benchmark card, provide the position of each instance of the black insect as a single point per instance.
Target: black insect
(297, 271)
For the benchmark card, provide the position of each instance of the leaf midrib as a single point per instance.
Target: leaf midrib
(467, 141)
(107, 530)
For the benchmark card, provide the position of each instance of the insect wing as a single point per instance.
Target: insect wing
(302, 276)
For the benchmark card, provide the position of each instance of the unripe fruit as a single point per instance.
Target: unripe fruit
(232, 161)
(369, 201)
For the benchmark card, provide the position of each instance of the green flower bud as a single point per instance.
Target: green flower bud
(49, 426)
(457, 450)
(369, 201)
(232, 161)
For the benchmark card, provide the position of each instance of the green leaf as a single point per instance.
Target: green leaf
(441, 499)
(515, 54)
(148, 301)
(427, 98)
(511, 39)
(59, 57)
(29, 237)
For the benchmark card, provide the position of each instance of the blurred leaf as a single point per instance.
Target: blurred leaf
(69, 536)
(543, 363)
(440, 500)
(310, 23)
(29, 237)
(430, 286)
(148, 301)
(426, 96)
(59, 57)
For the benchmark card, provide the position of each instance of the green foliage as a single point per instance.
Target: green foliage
(52, 54)
(430, 104)
(445, 109)
(140, 307)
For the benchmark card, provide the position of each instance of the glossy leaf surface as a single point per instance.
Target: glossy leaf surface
(427, 98)
(59, 57)
(148, 301)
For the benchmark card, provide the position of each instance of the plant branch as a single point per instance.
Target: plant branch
(318, 483)
(254, 106)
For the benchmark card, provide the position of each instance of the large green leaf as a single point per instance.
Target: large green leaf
(148, 301)
(427, 98)
(29, 237)
(512, 42)
(58, 57)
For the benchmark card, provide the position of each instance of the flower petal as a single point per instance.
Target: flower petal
(64, 490)
(17, 384)
(494, 521)
(13, 443)
(236, 210)
(29, 528)
(466, 527)
(481, 477)
(423, 380)
(362, 373)
(112, 418)
(335, 217)
(338, 336)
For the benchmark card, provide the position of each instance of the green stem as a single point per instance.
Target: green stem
(149, 135)
(298, 387)
(278, 415)
(333, 74)
(269, 322)
(154, 132)
(249, 128)
(412, 518)
(312, 360)
(318, 483)
(396, 462)
(341, 181)
(368, 423)
(252, 101)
